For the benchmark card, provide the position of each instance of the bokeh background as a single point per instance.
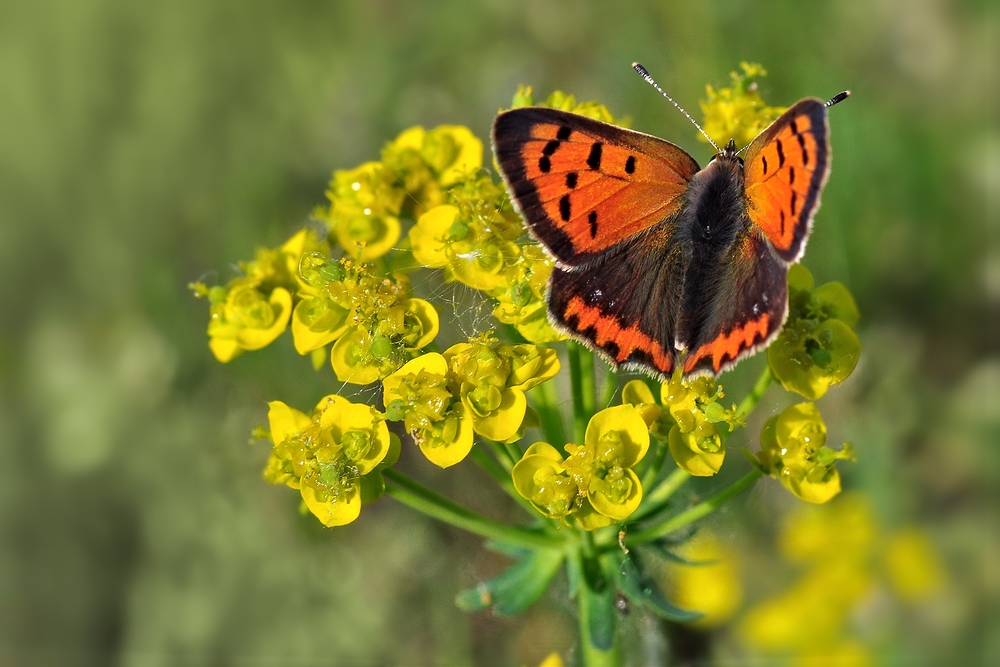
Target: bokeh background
(146, 145)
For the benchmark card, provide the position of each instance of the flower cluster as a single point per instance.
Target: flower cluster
(251, 311)
(737, 112)
(793, 449)
(849, 562)
(416, 169)
(691, 420)
(594, 482)
(373, 322)
(475, 387)
(333, 457)
(818, 347)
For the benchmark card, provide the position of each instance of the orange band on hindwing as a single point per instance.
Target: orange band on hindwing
(728, 346)
(608, 329)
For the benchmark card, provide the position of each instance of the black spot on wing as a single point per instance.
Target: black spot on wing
(592, 219)
(564, 209)
(563, 133)
(791, 175)
(763, 158)
(630, 164)
(805, 153)
(544, 164)
(571, 179)
(551, 147)
(781, 153)
(594, 159)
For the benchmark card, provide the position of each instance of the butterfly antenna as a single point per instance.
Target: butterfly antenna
(645, 75)
(838, 98)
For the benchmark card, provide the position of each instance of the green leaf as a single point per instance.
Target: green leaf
(517, 588)
(641, 591)
(597, 603)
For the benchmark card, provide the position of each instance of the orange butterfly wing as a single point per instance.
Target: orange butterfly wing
(585, 186)
(786, 167)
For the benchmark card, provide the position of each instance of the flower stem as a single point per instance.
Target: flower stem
(695, 513)
(581, 373)
(544, 400)
(595, 605)
(422, 499)
(747, 405)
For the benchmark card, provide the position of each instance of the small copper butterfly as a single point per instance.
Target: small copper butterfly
(661, 263)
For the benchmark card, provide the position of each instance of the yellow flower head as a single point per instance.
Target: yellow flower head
(492, 377)
(250, 312)
(793, 449)
(737, 112)
(817, 347)
(373, 322)
(595, 482)
(423, 164)
(326, 456)
(364, 211)
(521, 300)
(419, 395)
(695, 440)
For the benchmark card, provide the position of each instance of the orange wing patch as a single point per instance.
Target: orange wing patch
(727, 347)
(609, 331)
(786, 168)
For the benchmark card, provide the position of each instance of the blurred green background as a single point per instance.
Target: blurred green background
(146, 145)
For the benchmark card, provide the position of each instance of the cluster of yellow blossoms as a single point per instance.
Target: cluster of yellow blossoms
(354, 306)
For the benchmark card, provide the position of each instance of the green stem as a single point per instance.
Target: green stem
(658, 498)
(422, 499)
(654, 469)
(581, 373)
(696, 512)
(544, 400)
(503, 456)
(595, 603)
(609, 388)
(747, 405)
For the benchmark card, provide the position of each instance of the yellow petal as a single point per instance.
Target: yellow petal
(627, 421)
(224, 349)
(432, 362)
(430, 323)
(503, 422)
(255, 339)
(330, 514)
(622, 510)
(691, 458)
(284, 421)
(448, 455)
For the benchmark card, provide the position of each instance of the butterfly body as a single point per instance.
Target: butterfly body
(659, 262)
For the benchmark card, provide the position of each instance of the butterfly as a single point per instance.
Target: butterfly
(661, 264)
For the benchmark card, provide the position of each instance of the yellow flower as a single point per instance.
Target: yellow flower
(793, 449)
(695, 440)
(492, 378)
(326, 456)
(521, 300)
(595, 482)
(247, 320)
(423, 164)
(913, 566)
(364, 210)
(710, 584)
(817, 347)
(418, 394)
(738, 112)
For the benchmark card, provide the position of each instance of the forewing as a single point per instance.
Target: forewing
(740, 310)
(624, 306)
(785, 168)
(584, 186)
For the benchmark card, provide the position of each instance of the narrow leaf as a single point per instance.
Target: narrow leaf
(516, 588)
